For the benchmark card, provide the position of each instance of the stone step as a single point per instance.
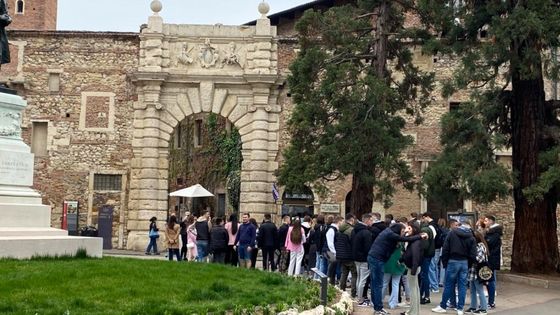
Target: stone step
(38, 231)
(23, 247)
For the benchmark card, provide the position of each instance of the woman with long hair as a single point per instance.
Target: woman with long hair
(232, 226)
(294, 244)
(476, 284)
(412, 258)
(172, 237)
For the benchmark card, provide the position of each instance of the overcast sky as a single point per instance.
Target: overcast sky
(128, 15)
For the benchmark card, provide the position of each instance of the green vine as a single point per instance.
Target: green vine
(227, 146)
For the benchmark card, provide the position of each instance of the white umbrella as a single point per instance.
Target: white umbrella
(192, 191)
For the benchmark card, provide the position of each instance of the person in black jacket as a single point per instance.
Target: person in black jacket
(378, 226)
(317, 240)
(267, 240)
(458, 249)
(219, 239)
(493, 237)
(412, 258)
(344, 256)
(284, 258)
(361, 240)
(380, 251)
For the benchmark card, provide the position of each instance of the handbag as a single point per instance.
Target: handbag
(153, 233)
(483, 272)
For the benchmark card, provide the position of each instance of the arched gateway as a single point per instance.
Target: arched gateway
(189, 69)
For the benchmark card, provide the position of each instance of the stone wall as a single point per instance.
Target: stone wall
(93, 85)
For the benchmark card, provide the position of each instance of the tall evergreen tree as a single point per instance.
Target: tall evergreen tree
(505, 72)
(353, 84)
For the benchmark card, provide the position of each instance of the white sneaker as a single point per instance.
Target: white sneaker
(439, 309)
(403, 304)
(460, 312)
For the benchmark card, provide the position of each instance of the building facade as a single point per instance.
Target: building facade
(103, 109)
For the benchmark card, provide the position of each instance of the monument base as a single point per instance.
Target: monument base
(25, 224)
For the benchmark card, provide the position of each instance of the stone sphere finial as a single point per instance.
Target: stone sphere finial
(156, 6)
(264, 8)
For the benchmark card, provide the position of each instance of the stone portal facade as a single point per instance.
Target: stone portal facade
(189, 69)
(102, 108)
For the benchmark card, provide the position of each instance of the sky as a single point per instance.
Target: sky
(128, 15)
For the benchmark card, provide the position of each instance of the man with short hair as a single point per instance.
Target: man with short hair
(428, 247)
(361, 240)
(458, 249)
(331, 250)
(245, 237)
(344, 256)
(202, 226)
(380, 252)
(268, 242)
(493, 238)
(284, 257)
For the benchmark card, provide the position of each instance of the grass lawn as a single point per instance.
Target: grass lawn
(133, 286)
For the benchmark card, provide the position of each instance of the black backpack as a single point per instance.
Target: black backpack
(324, 246)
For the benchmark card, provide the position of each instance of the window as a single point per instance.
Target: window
(177, 139)
(107, 182)
(19, 7)
(39, 138)
(54, 82)
(198, 133)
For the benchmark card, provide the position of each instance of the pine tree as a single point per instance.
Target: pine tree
(353, 85)
(505, 73)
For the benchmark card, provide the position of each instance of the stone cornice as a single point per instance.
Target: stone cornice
(85, 34)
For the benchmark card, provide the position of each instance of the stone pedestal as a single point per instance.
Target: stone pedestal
(24, 221)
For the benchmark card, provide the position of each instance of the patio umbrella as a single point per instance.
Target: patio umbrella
(192, 191)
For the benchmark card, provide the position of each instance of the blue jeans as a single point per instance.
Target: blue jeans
(376, 274)
(434, 270)
(152, 245)
(321, 264)
(477, 288)
(202, 249)
(492, 288)
(395, 281)
(456, 272)
(425, 276)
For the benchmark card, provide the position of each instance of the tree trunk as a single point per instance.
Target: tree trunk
(362, 197)
(535, 242)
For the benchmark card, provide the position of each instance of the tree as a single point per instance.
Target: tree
(353, 83)
(505, 73)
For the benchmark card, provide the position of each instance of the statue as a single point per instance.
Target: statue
(5, 20)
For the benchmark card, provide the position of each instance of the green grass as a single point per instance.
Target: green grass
(131, 286)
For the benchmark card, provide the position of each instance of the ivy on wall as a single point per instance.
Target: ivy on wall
(214, 164)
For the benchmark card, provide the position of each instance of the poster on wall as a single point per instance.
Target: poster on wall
(70, 217)
(463, 217)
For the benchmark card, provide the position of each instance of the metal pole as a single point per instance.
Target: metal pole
(324, 285)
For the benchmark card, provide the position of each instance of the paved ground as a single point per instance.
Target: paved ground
(512, 298)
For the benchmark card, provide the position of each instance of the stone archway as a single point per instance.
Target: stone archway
(189, 69)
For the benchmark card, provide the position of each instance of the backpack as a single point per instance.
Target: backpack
(438, 241)
(324, 246)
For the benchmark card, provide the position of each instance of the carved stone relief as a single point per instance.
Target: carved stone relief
(10, 124)
(208, 56)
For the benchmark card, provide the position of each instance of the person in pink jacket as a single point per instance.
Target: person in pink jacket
(294, 244)
(191, 238)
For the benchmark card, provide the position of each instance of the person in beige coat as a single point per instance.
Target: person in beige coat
(172, 238)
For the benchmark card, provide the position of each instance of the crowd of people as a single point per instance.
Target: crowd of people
(406, 258)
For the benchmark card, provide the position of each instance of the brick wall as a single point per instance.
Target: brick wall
(37, 15)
